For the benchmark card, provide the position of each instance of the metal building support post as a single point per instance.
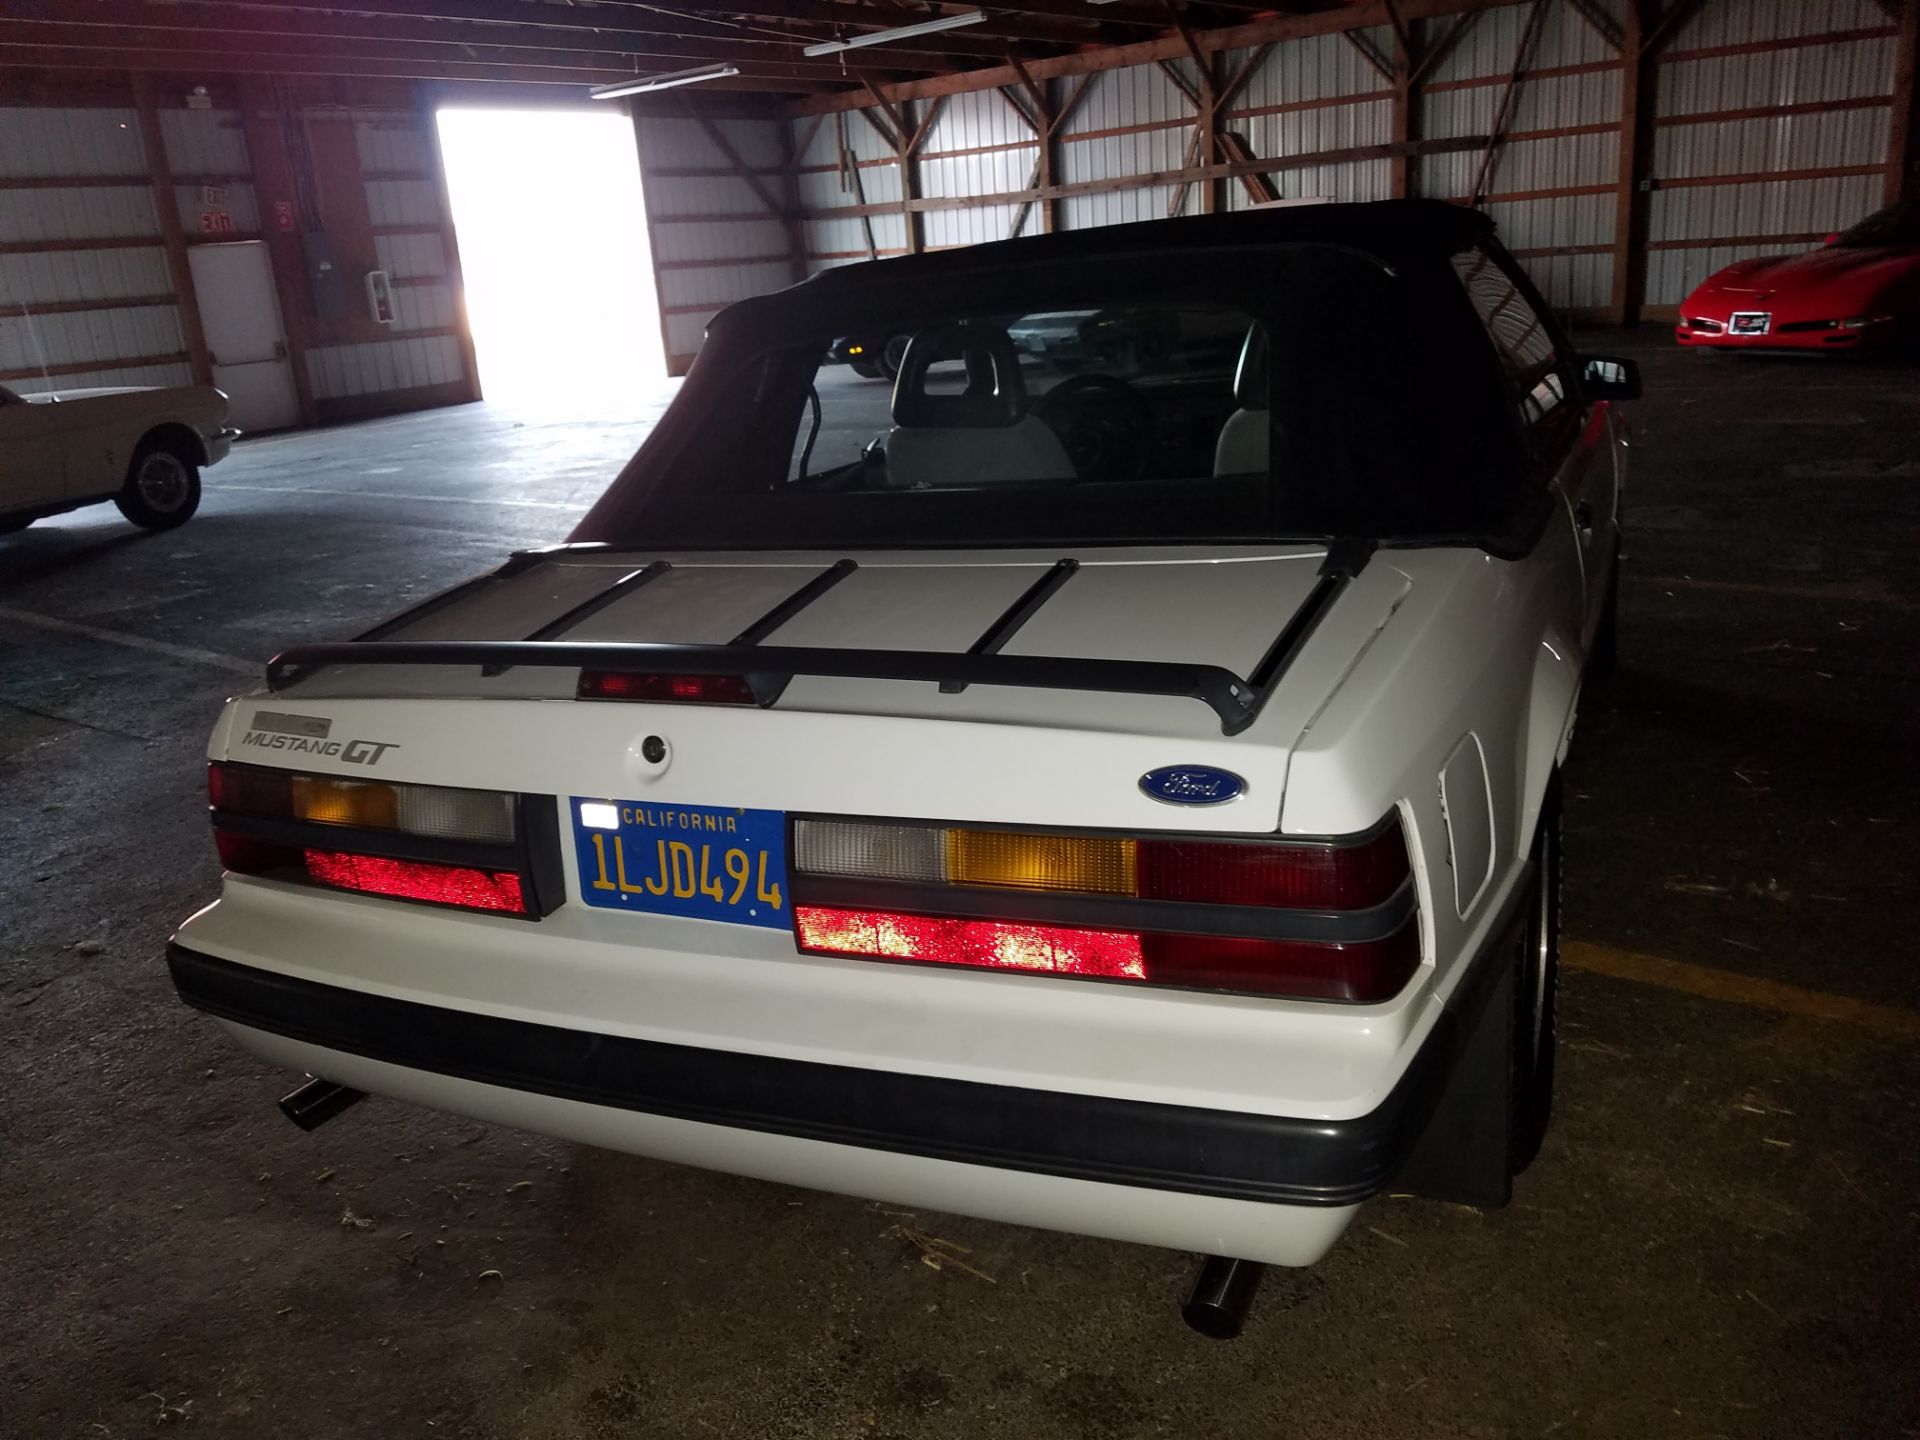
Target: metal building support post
(186, 298)
(1406, 109)
(1903, 138)
(1635, 177)
(1649, 27)
(263, 118)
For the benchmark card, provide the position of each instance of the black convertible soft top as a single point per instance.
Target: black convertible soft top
(1389, 411)
(1396, 232)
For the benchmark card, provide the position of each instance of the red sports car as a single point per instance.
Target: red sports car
(1861, 288)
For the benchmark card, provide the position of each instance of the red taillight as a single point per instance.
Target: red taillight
(418, 880)
(1360, 973)
(248, 791)
(670, 689)
(1296, 877)
(1332, 920)
(988, 944)
(429, 843)
(250, 855)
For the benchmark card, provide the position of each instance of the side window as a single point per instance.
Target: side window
(1519, 335)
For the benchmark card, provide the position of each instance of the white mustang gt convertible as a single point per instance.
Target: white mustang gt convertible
(1106, 784)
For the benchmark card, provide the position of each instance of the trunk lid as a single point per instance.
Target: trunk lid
(864, 746)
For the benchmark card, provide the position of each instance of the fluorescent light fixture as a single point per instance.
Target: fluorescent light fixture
(899, 32)
(643, 84)
(597, 816)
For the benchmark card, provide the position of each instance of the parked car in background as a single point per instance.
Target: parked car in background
(876, 356)
(1861, 289)
(1123, 801)
(142, 447)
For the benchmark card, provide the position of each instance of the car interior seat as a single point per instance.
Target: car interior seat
(967, 425)
(1243, 448)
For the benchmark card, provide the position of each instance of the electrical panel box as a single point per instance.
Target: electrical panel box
(380, 297)
(323, 276)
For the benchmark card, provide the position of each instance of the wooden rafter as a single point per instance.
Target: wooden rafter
(1503, 116)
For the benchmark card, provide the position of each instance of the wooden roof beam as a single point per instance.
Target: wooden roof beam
(1271, 30)
(193, 62)
(214, 48)
(185, 23)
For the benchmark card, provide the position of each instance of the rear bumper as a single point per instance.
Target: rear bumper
(1258, 1186)
(1075, 1136)
(220, 444)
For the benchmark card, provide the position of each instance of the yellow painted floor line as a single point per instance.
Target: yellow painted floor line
(1836, 595)
(1712, 984)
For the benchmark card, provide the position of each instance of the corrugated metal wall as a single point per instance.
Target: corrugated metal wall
(1771, 128)
(1730, 183)
(422, 350)
(714, 238)
(1550, 185)
(85, 293)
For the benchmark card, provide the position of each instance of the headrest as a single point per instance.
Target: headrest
(1250, 376)
(994, 394)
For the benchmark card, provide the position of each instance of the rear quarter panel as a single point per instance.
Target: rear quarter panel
(1485, 648)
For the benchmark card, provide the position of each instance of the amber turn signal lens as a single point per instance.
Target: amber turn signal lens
(1100, 865)
(328, 801)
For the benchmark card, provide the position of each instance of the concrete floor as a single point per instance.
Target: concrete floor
(1719, 1239)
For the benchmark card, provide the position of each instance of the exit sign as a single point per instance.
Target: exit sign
(216, 222)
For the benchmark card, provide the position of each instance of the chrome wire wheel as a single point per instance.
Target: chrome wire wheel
(162, 481)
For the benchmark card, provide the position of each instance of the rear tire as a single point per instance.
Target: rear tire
(1604, 656)
(162, 489)
(1536, 982)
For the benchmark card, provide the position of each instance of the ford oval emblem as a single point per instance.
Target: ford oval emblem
(1192, 785)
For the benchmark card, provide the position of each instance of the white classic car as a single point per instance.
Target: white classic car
(1122, 802)
(142, 447)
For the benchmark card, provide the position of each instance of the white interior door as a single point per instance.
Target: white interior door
(240, 314)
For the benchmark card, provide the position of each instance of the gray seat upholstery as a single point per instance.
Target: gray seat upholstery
(1244, 447)
(944, 457)
(982, 435)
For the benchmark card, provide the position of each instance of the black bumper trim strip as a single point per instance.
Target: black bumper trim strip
(1182, 1148)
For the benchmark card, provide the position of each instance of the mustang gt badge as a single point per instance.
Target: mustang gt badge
(1192, 785)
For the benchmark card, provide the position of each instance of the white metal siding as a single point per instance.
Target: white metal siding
(59, 259)
(403, 204)
(343, 371)
(1697, 228)
(205, 143)
(714, 239)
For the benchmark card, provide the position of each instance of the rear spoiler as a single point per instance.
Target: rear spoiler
(768, 669)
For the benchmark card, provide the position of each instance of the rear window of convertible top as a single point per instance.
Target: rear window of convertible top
(1289, 394)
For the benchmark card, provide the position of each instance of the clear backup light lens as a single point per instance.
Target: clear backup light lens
(879, 852)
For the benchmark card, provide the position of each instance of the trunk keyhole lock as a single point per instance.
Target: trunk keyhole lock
(648, 758)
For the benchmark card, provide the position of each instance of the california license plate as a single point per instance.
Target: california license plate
(1750, 322)
(703, 862)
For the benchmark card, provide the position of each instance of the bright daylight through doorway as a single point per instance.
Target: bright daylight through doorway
(553, 245)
